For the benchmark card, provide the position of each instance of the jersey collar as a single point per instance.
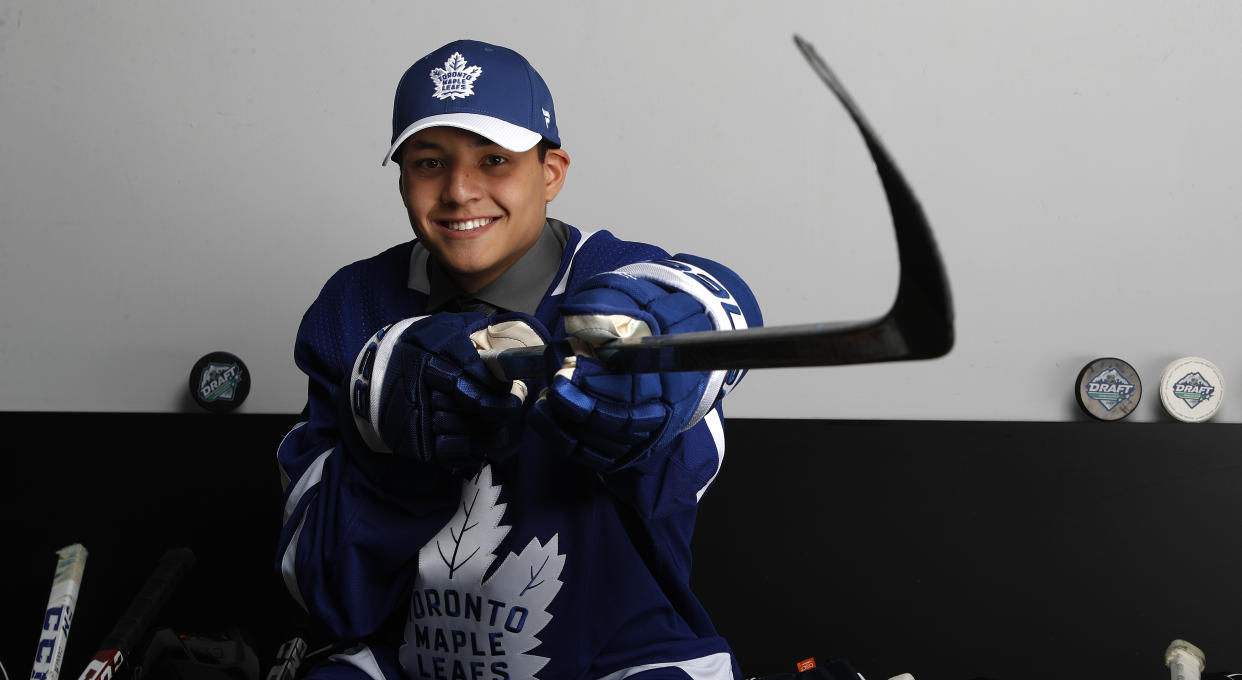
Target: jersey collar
(519, 289)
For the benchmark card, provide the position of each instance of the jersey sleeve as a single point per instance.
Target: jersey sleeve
(353, 519)
(662, 494)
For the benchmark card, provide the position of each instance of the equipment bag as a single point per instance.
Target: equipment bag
(183, 656)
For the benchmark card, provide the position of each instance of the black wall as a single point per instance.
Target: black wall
(955, 550)
(949, 550)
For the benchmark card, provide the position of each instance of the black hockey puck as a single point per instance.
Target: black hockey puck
(219, 382)
(1108, 389)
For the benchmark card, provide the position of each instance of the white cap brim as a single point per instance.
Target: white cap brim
(508, 135)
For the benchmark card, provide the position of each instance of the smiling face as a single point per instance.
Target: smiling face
(477, 206)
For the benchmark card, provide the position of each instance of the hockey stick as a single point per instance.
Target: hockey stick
(919, 325)
(58, 616)
(133, 624)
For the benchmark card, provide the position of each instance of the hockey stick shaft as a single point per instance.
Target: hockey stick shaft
(919, 325)
(58, 616)
(765, 347)
(129, 629)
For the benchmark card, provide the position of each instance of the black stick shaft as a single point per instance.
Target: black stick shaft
(158, 589)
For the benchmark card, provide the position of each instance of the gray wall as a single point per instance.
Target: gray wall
(178, 178)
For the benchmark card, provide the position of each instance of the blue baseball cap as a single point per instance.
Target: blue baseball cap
(486, 89)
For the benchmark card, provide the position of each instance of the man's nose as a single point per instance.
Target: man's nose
(462, 185)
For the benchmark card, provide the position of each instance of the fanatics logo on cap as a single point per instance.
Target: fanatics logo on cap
(455, 80)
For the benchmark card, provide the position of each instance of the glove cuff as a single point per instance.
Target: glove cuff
(367, 382)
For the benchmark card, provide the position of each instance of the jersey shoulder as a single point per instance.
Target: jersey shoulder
(360, 298)
(591, 253)
(388, 270)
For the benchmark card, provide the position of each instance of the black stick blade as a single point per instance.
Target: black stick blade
(923, 308)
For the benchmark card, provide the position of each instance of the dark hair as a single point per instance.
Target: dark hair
(543, 147)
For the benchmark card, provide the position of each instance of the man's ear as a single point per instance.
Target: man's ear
(401, 187)
(555, 167)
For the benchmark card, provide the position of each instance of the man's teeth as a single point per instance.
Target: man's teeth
(467, 225)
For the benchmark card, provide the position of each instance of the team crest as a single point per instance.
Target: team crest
(465, 623)
(1109, 387)
(1193, 389)
(456, 79)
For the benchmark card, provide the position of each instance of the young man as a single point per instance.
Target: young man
(441, 522)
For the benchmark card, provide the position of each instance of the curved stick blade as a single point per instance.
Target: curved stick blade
(923, 308)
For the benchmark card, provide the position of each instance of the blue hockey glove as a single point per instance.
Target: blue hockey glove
(607, 421)
(421, 390)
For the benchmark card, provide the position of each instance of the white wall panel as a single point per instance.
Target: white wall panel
(178, 178)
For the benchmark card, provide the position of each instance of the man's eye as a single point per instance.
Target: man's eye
(495, 159)
(427, 163)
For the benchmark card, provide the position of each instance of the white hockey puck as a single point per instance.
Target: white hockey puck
(1192, 389)
(1108, 388)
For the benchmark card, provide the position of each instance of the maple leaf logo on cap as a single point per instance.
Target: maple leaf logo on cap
(456, 79)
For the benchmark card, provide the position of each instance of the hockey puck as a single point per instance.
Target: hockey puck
(219, 382)
(1108, 389)
(1192, 389)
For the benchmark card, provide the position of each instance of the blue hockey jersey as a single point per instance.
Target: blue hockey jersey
(531, 568)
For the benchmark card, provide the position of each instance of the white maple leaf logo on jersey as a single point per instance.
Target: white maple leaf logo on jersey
(462, 626)
(455, 80)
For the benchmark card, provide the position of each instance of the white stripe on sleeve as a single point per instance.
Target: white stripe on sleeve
(716, 427)
(560, 285)
(308, 479)
(306, 482)
(717, 666)
(286, 565)
(284, 474)
(363, 659)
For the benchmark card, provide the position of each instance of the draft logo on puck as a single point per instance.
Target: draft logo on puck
(219, 382)
(1108, 389)
(1192, 389)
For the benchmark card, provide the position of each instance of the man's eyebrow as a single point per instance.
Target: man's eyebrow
(420, 144)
